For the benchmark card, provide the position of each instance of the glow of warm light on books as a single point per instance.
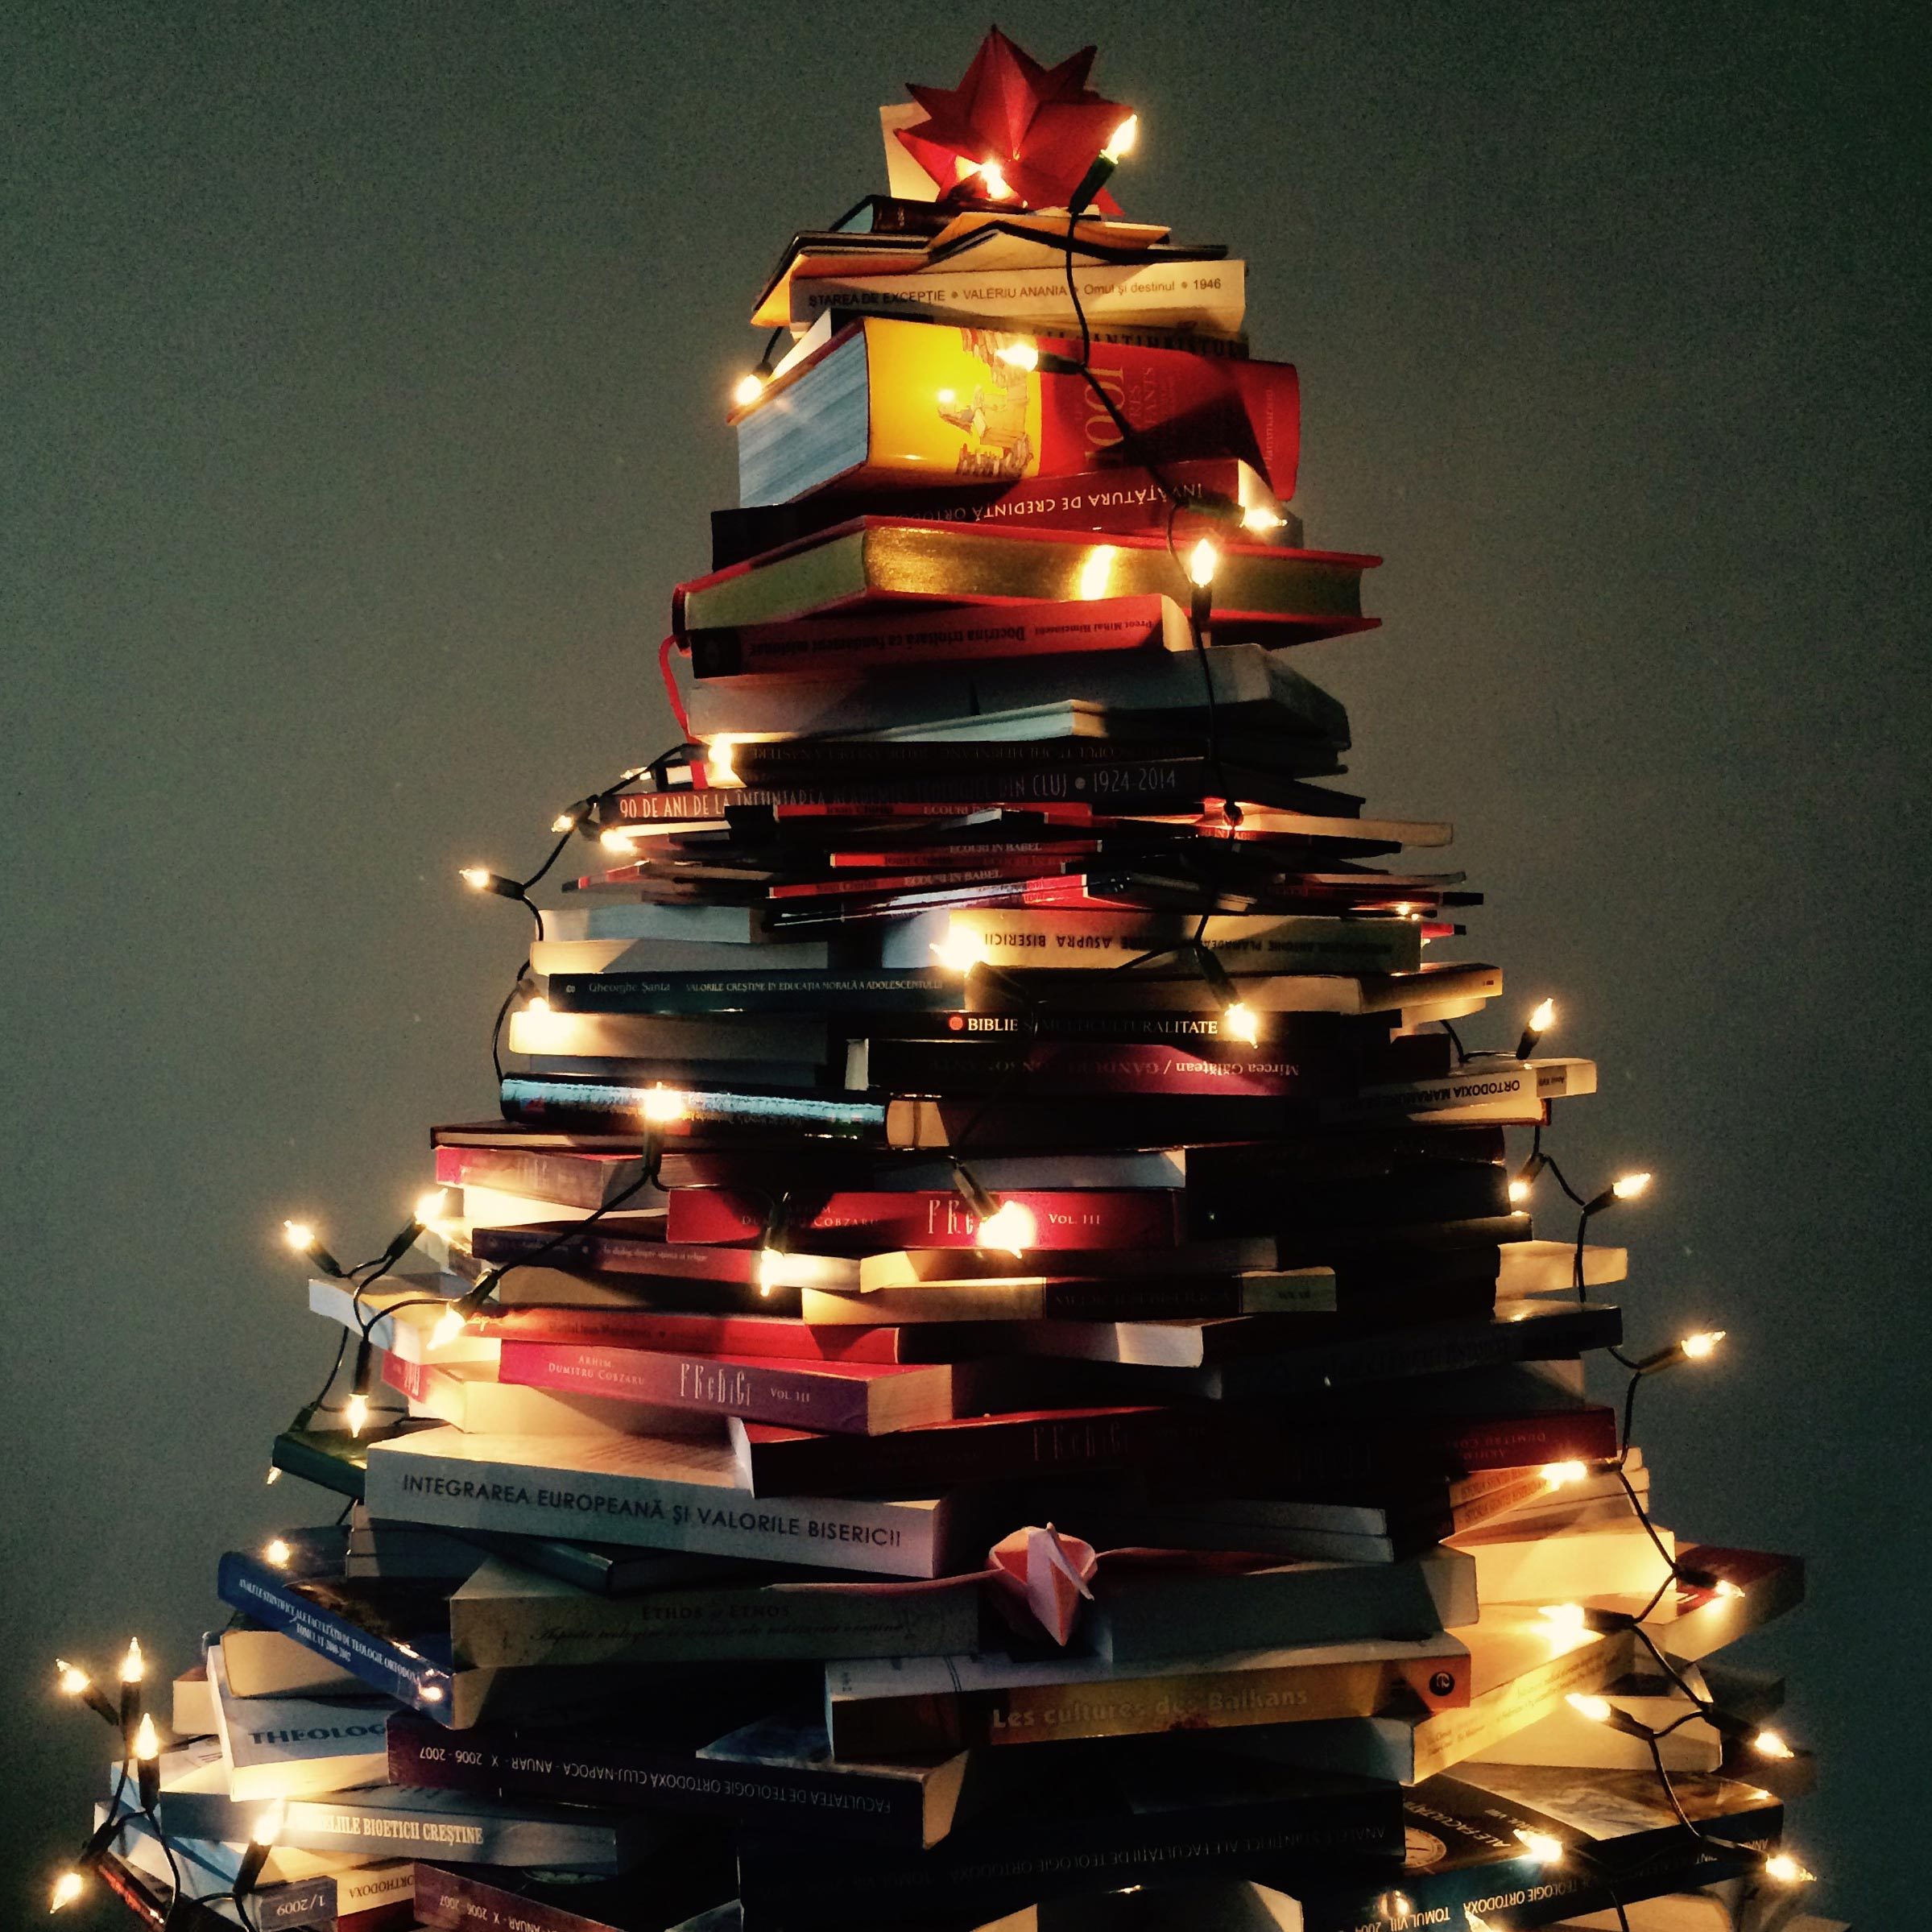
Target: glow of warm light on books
(771, 1265)
(357, 1414)
(719, 767)
(662, 1105)
(1011, 1228)
(147, 1741)
(1564, 1616)
(961, 950)
(993, 182)
(67, 1888)
(1541, 1847)
(1627, 1187)
(1782, 1867)
(1202, 561)
(275, 1553)
(749, 387)
(1242, 1022)
(1019, 355)
(268, 1827)
(1596, 1709)
(448, 1326)
(431, 1204)
(1096, 574)
(1560, 1475)
(1259, 518)
(1700, 1345)
(134, 1667)
(1771, 1744)
(73, 1681)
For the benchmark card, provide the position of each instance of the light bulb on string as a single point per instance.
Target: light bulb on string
(71, 1680)
(1203, 560)
(961, 950)
(1626, 1187)
(1544, 1848)
(1010, 1229)
(302, 1238)
(276, 1552)
(1119, 144)
(66, 1888)
(1772, 1745)
(1560, 1475)
(720, 767)
(663, 1106)
(147, 1763)
(1785, 1870)
(262, 1838)
(1539, 1023)
(1698, 1346)
(134, 1668)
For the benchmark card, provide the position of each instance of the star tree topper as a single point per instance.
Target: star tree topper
(1041, 127)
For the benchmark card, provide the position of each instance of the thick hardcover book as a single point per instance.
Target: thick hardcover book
(587, 1181)
(855, 1398)
(880, 561)
(1084, 1304)
(894, 643)
(1084, 1219)
(713, 1116)
(642, 1244)
(779, 1462)
(504, 1615)
(1123, 497)
(661, 1492)
(399, 1820)
(754, 991)
(689, 1878)
(775, 1773)
(910, 1706)
(914, 405)
(1723, 1594)
(1155, 1603)
(767, 1338)
(1121, 1814)
(297, 1747)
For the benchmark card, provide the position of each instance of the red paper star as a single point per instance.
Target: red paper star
(1041, 126)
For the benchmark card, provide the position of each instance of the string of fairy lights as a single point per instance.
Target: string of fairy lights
(1000, 1227)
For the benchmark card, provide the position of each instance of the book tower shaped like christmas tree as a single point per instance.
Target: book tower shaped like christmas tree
(995, 1367)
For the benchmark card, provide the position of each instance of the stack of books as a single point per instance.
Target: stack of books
(995, 1367)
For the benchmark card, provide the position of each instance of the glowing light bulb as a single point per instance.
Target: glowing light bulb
(299, 1235)
(1241, 1022)
(357, 1414)
(1782, 1867)
(1019, 355)
(147, 1741)
(616, 841)
(429, 1206)
(1771, 1744)
(430, 1693)
(273, 1477)
(134, 1667)
(771, 1269)
(719, 766)
(1564, 1616)
(1011, 1228)
(664, 1105)
(1519, 1191)
(1202, 561)
(1259, 518)
(1541, 1846)
(477, 878)
(1596, 1709)
(749, 387)
(1543, 1018)
(993, 181)
(1559, 1475)
(275, 1553)
(1698, 1346)
(67, 1888)
(73, 1681)
(448, 1326)
(268, 1825)
(1097, 573)
(1724, 1587)
(1121, 142)
(961, 950)
(564, 821)
(1627, 1187)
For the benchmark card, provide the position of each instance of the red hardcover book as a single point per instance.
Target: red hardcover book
(763, 651)
(844, 1398)
(763, 1338)
(1086, 1218)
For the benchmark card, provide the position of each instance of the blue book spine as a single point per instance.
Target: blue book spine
(395, 1669)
